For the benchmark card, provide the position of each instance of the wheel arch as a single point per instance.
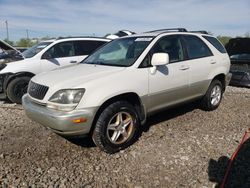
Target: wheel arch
(222, 78)
(15, 75)
(130, 97)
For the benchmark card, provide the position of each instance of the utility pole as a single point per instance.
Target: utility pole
(7, 29)
(27, 33)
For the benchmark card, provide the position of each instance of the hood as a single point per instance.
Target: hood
(5, 46)
(8, 53)
(75, 76)
(238, 46)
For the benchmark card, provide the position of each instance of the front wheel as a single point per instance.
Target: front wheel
(17, 88)
(117, 127)
(213, 96)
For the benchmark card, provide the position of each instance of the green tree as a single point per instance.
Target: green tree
(9, 42)
(224, 39)
(46, 38)
(23, 42)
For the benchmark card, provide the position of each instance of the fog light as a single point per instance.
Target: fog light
(80, 120)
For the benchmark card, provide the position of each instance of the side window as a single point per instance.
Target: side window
(171, 45)
(63, 49)
(215, 43)
(87, 47)
(196, 48)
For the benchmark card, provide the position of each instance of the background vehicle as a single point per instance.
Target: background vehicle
(8, 53)
(239, 52)
(45, 56)
(121, 33)
(110, 94)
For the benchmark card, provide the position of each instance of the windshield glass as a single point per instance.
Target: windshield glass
(35, 49)
(120, 52)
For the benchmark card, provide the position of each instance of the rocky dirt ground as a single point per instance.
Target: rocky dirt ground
(181, 147)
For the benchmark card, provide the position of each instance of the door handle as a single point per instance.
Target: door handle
(213, 62)
(73, 61)
(184, 67)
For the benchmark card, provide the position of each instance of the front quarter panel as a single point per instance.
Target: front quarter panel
(100, 90)
(27, 65)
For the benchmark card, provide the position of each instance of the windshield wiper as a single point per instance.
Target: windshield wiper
(94, 62)
(107, 64)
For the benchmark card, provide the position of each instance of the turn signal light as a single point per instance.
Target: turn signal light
(80, 120)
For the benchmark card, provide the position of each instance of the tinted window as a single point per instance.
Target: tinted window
(87, 47)
(216, 44)
(63, 49)
(196, 48)
(171, 45)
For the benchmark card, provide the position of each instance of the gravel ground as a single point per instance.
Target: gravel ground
(181, 147)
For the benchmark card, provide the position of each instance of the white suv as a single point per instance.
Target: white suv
(43, 57)
(110, 95)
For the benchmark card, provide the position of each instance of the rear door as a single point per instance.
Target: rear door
(83, 48)
(201, 61)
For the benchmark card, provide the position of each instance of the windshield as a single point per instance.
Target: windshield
(120, 52)
(35, 49)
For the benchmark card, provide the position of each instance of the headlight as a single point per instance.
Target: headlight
(66, 99)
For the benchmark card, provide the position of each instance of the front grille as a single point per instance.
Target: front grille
(37, 91)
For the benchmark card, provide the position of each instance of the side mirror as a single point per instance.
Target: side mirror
(160, 59)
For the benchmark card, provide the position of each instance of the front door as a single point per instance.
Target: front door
(60, 55)
(168, 85)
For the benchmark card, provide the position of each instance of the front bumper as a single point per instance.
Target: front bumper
(60, 122)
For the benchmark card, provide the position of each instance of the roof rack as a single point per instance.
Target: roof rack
(170, 29)
(202, 32)
(79, 37)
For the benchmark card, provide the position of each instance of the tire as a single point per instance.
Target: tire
(117, 127)
(17, 88)
(213, 96)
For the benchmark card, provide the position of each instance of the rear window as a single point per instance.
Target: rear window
(216, 44)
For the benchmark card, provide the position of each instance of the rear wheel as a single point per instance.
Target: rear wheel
(117, 127)
(213, 96)
(17, 88)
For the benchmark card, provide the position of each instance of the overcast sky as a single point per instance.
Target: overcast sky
(89, 17)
